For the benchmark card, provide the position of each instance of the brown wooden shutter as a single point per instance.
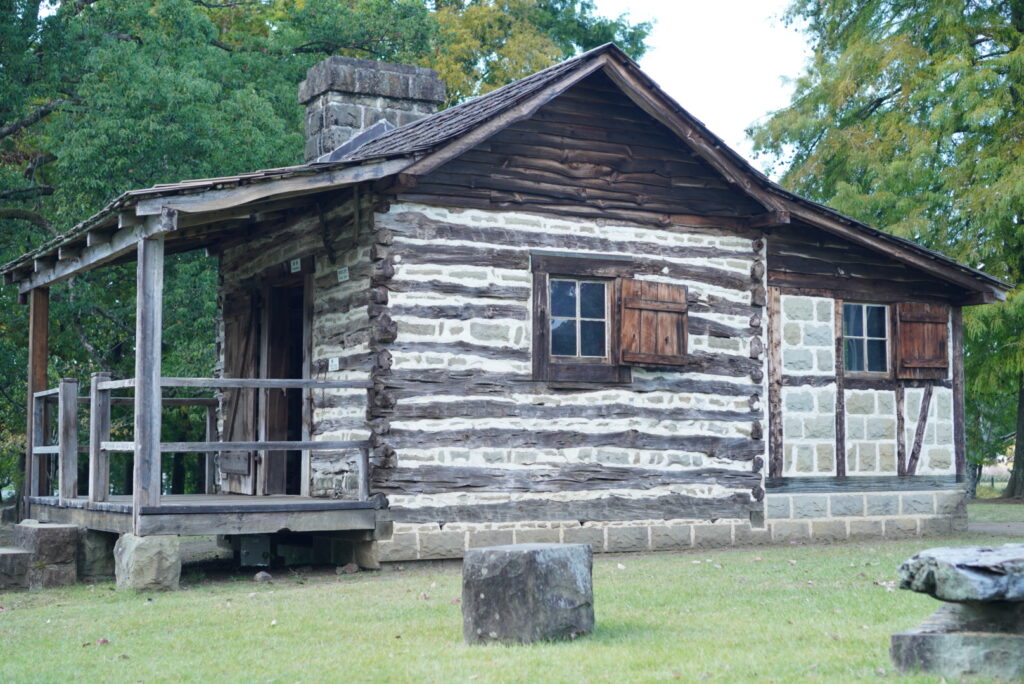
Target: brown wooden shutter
(652, 323)
(922, 335)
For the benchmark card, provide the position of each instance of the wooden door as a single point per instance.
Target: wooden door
(241, 360)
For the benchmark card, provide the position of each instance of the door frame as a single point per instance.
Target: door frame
(278, 277)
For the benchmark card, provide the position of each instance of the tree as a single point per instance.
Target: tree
(102, 96)
(910, 116)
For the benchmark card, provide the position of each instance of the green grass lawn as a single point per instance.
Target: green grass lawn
(781, 614)
(996, 512)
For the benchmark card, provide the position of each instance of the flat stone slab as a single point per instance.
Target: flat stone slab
(967, 573)
(524, 593)
(965, 640)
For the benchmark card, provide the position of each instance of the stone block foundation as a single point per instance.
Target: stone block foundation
(791, 518)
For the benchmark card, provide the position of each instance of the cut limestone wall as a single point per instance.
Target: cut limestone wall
(827, 517)
(870, 432)
(476, 438)
(808, 409)
(937, 447)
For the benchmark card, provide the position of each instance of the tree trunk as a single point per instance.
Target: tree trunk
(1015, 487)
(973, 477)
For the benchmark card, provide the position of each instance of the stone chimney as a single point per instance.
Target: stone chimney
(344, 96)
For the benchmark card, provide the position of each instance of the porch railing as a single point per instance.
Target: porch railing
(100, 401)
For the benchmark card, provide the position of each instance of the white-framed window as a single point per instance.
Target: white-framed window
(866, 338)
(579, 318)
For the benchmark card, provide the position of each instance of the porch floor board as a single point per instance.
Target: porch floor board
(203, 514)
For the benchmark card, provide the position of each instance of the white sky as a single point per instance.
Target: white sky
(724, 61)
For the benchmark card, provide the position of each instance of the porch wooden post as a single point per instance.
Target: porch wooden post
(99, 432)
(959, 438)
(38, 351)
(209, 465)
(148, 323)
(67, 463)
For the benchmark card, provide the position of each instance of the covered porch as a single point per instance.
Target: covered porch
(143, 227)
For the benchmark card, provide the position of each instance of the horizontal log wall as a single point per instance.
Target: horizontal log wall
(590, 152)
(801, 257)
(471, 436)
(332, 235)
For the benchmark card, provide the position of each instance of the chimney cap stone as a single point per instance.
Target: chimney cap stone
(368, 77)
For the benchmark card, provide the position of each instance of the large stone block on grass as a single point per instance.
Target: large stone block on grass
(980, 634)
(524, 593)
(49, 543)
(14, 568)
(967, 573)
(965, 641)
(147, 563)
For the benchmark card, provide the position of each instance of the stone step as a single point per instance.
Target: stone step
(14, 565)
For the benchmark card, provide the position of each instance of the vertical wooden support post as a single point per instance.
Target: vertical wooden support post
(364, 474)
(210, 470)
(38, 438)
(957, 351)
(837, 323)
(38, 351)
(99, 432)
(148, 324)
(775, 460)
(67, 463)
(305, 474)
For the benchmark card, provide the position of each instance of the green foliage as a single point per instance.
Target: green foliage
(102, 96)
(910, 117)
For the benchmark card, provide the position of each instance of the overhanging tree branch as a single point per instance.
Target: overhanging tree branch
(43, 111)
(26, 193)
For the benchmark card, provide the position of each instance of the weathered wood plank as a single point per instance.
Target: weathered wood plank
(672, 506)
(148, 335)
(957, 351)
(858, 483)
(730, 448)
(434, 479)
(263, 445)
(38, 353)
(67, 464)
(837, 331)
(409, 383)
(99, 431)
(775, 452)
(509, 409)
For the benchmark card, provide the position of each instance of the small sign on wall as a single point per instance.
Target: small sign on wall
(333, 363)
(343, 274)
(295, 266)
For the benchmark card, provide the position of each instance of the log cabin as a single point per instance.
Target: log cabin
(561, 311)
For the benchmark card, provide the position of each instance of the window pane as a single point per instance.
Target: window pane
(563, 337)
(876, 355)
(852, 320)
(592, 338)
(592, 300)
(853, 353)
(876, 321)
(563, 298)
